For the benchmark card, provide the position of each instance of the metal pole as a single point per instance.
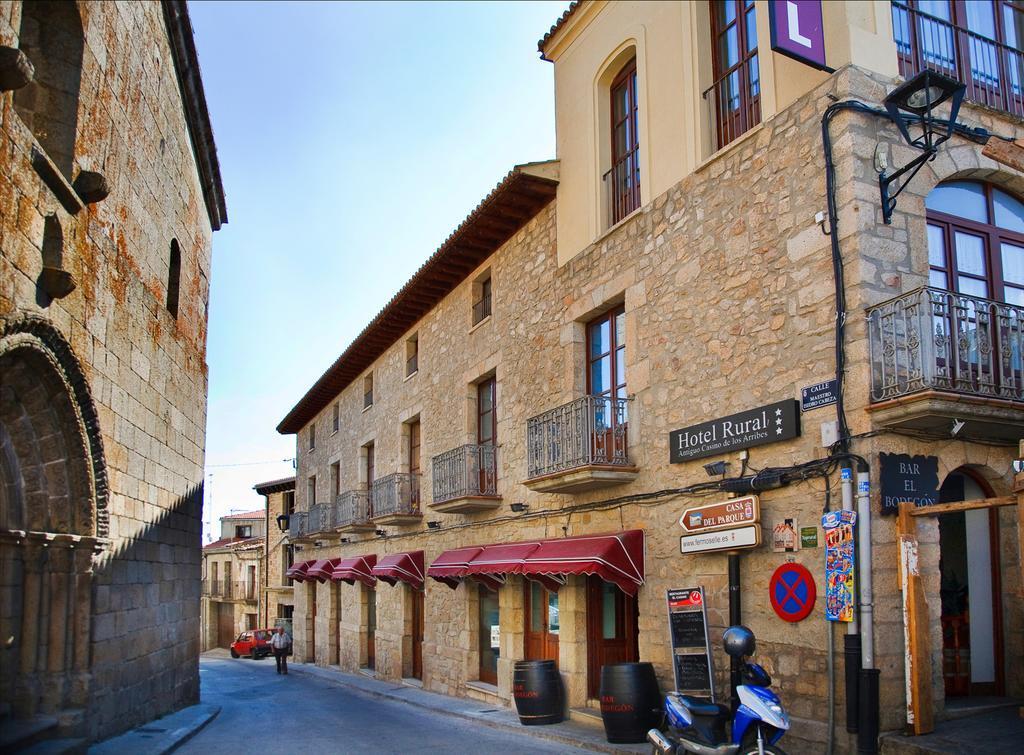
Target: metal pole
(734, 619)
(851, 640)
(867, 734)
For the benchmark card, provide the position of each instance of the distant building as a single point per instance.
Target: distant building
(277, 602)
(232, 569)
(110, 191)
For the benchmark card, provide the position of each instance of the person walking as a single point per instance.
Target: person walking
(279, 644)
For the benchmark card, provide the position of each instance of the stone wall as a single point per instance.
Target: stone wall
(143, 369)
(728, 291)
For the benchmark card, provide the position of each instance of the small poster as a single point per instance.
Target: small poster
(808, 537)
(495, 636)
(688, 632)
(784, 539)
(839, 565)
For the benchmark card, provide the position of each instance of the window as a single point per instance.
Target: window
(288, 502)
(413, 451)
(978, 42)
(335, 480)
(622, 181)
(335, 417)
(976, 241)
(368, 465)
(489, 628)
(243, 530)
(606, 355)
(412, 356)
(287, 561)
(173, 278)
(312, 436)
(51, 37)
(368, 391)
(482, 298)
(737, 84)
(486, 404)
(310, 491)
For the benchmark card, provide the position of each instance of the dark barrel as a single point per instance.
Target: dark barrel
(630, 702)
(537, 689)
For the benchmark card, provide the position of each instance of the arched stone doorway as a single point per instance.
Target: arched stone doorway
(52, 480)
(970, 589)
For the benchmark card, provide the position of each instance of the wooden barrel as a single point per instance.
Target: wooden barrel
(537, 690)
(630, 702)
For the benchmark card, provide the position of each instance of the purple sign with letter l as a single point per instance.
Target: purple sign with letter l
(797, 30)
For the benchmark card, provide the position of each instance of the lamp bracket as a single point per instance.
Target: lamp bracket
(885, 181)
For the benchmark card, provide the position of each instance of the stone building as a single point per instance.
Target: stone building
(233, 577)
(505, 426)
(278, 556)
(109, 193)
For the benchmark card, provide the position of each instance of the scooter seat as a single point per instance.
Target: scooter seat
(699, 707)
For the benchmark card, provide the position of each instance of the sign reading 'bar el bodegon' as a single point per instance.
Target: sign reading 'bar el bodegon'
(755, 427)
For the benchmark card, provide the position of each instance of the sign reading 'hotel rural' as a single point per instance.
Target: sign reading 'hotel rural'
(754, 427)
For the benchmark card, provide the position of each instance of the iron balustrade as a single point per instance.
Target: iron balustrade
(481, 310)
(622, 186)
(352, 507)
(992, 71)
(298, 524)
(734, 102)
(931, 339)
(321, 518)
(469, 470)
(397, 493)
(589, 431)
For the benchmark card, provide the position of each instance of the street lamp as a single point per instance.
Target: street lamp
(912, 105)
(282, 522)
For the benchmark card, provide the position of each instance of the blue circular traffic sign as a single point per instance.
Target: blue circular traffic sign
(792, 592)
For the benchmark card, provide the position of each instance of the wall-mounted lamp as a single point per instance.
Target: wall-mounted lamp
(382, 533)
(282, 522)
(344, 540)
(519, 507)
(434, 525)
(911, 105)
(716, 468)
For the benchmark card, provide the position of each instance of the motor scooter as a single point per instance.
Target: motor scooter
(704, 728)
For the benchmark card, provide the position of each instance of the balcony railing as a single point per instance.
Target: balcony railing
(992, 71)
(930, 339)
(397, 494)
(352, 508)
(734, 102)
(466, 471)
(622, 186)
(590, 431)
(298, 524)
(226, 588)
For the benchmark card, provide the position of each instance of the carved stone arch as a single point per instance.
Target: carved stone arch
(54, 418)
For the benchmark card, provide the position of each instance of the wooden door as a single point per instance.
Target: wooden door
(541, 617)
(489, 645)
(225, 624)
(417, 634)
(486, 430)
(371, 627)
(311, 613)
(611, 630)
(414, 463)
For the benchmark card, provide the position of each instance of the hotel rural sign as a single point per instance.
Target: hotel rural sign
(754, 427)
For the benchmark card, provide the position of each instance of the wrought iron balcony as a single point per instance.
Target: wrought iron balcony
(579, 446)
(298, 525)
(466, 479)
(622, 186)
(352, 511)
(992, 71)
(227, 589)
(734, 102)
(930, 343)
(396, 499)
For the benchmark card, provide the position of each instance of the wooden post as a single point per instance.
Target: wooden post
(917, 654)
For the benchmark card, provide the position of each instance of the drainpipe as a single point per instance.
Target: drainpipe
(867, 730)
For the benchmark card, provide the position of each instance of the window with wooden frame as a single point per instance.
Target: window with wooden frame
(243, 530)
(482, 298)
(312, 436)
(486, 407)
(288, 502)
(978, 42)
(736, 91)
(412, 355)
(335, 480)
(606, 386)
(413, 452)
(335, 417)
(368, 391)
(976, 241)
(622, 181)
(368, 468)
(310, 492)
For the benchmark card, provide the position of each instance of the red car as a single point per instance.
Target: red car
(254, 643)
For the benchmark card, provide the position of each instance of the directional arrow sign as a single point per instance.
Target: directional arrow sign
(716, 516)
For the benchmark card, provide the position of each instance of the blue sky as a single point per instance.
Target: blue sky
(353, 138)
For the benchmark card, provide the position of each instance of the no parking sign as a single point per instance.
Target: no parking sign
(792, 592)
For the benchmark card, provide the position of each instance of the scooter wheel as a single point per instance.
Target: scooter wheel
(750, 748)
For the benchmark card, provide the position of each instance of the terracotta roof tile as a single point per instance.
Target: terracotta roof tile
(257, 514)
(557, 25)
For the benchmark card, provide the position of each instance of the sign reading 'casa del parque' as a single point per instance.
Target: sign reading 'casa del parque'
(754, 427)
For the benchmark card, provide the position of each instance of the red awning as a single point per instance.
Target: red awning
(298, 571)
(450, 567)
(322, 569)
(407, 567)
(618, 558)
(356, 567)
(494, 562)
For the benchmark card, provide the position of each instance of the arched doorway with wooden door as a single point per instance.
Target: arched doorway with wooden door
(52, 507)
(970, 590)
(612, 630)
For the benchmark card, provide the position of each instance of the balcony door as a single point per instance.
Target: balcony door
(624, 177)
(541, 622)
(414, 463)
(737, 85)
(612, 621)
(417, 633)
(486, 430)
(606, 381)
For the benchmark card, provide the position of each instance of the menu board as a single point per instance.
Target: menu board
(688, 631)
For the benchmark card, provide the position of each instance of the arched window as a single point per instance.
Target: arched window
(976, 241)
(173, 278)
(624, 176)
(51, 37)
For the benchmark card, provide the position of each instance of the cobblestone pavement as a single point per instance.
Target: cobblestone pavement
(262, 712)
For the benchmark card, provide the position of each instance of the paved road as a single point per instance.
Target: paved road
(262, 712)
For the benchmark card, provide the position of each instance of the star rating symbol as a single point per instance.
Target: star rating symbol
(778, 421)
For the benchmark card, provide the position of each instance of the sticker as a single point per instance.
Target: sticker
(784, 539)
(808, 537)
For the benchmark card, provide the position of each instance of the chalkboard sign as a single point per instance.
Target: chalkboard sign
(908, 478)
(688, 631)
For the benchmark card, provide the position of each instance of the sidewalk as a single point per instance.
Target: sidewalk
(572, 733)
(160, 736)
